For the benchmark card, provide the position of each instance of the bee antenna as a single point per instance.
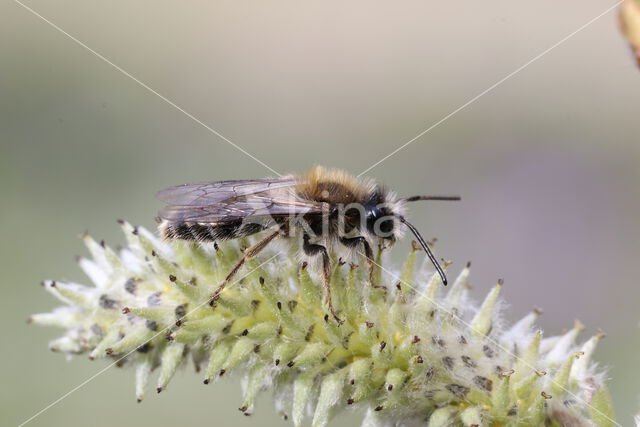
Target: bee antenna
(424, 245)
(427, 197)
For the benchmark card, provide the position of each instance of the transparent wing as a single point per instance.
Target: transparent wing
(226, 201)
(208, 193)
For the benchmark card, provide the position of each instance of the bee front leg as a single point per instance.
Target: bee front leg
(249, 253)
(354, 242)
(312, 249)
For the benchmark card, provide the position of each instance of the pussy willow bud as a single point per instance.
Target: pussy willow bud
(409, 350)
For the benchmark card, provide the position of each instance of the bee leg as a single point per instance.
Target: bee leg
(249, 253)
(353, 242)
(312, 249)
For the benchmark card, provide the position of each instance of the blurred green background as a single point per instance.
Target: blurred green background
(548, 163)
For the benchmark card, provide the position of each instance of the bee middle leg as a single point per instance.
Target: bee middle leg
(249, 253)
(312, 249)
(354, 242)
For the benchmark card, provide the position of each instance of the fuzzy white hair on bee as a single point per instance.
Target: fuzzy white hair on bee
(330, 208)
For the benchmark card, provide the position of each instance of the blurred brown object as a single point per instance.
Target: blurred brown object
(630, 25)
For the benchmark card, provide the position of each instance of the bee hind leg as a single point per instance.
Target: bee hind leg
(312, 249)
(249, 253)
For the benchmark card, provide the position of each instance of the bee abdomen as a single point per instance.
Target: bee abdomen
(186, 231)
(194, 231)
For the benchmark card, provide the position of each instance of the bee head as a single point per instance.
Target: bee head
(381, 215)
(380, 222)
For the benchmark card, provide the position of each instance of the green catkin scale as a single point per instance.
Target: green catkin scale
(410, 353)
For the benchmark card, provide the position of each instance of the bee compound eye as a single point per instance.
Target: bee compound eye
(374, 213)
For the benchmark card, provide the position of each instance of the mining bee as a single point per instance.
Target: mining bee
(323, 210)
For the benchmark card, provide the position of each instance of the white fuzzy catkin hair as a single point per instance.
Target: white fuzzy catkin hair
(408, 352)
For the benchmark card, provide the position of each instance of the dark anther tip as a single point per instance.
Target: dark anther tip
(206, 381)
(172, 278)
(159, 389)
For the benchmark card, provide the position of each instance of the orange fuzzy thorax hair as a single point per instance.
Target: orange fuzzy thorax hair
(332, 185)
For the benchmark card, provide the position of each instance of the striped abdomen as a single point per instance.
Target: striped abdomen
(194, 231)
